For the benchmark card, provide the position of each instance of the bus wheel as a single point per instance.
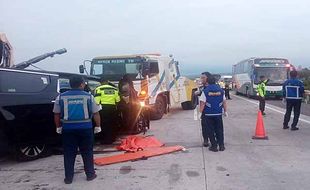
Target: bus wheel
(248, 94)
(158, 111)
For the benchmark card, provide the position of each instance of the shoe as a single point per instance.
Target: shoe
(294, 128)
(213, 148)
(222, 148)
(92, 177)
(285, 127)
(205, 144)
(67, 181)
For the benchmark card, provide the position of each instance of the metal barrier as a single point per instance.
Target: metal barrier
(307, 96)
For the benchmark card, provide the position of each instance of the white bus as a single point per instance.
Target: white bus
(246, 75)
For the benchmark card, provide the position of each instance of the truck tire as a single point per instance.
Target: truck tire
(28, 152)
(158, 111)
(4, 144)
(190, 105)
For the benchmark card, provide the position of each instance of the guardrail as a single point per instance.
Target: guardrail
(307, 96)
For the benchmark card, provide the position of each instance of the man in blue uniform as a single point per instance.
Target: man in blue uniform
(204, 81)
(73, 114)
(212, 103)
(293, 91)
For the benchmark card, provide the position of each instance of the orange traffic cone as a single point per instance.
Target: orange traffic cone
(260, 129)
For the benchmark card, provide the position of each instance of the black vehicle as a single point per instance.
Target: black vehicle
(26, 104)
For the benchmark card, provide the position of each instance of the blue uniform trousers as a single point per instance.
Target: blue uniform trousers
(290, 105)
(215, 130)
(74, 139)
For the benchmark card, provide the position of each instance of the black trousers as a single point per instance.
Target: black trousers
(227, 95)
(290, 105)
(130, 113)
(109, 123)
(73, 140)
(215, 129)
(261, 103)
(204, 128)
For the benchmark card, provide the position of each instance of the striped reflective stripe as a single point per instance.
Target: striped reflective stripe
(66, 114)
(66, 105)
(85, 107)
(297, 92)
(207, 114)
(78, 121)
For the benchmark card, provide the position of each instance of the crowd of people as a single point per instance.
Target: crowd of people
(75, 110)
(213, 105)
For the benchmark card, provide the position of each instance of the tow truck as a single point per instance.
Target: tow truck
(157, 79)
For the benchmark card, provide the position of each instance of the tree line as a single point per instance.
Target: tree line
(304, 75)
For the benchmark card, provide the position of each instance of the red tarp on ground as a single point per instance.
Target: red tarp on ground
(137, 147)
(150, 152)
(135, 143)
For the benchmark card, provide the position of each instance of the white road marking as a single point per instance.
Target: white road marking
(271, 108)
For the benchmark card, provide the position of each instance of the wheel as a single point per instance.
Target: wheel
(190, 105)
(185, 105)
(158, 111)
(278, 97)
(28, 152)
(248, 94)
(4, 144)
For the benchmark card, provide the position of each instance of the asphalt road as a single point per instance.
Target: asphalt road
(305, 108)
(282, 162)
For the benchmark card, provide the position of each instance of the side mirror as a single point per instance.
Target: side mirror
(150, 69)
(154, 68)
(81, 68)
(146, 69)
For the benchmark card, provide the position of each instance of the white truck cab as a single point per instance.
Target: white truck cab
(157, 79)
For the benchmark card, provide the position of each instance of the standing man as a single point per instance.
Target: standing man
(108, 97)
(293, 91)
(212, 103)
(261, 90)
(227, 95)
(204, 81)
(73, 114)
(129, 105)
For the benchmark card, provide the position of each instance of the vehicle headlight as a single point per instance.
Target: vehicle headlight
(142, 104)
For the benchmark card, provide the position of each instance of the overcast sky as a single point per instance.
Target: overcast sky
(204, 35)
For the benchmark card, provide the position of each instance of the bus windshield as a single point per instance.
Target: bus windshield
(276, 75)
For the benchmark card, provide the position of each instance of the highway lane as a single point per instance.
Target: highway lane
(282, 162)
(305, 108)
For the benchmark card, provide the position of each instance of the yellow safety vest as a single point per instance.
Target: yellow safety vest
(261, 88)
(107, 94)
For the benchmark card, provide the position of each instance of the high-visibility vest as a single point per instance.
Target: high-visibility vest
(107, 95)
(76, 109)
(293, 89)
(261, 88)
(214, 100)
